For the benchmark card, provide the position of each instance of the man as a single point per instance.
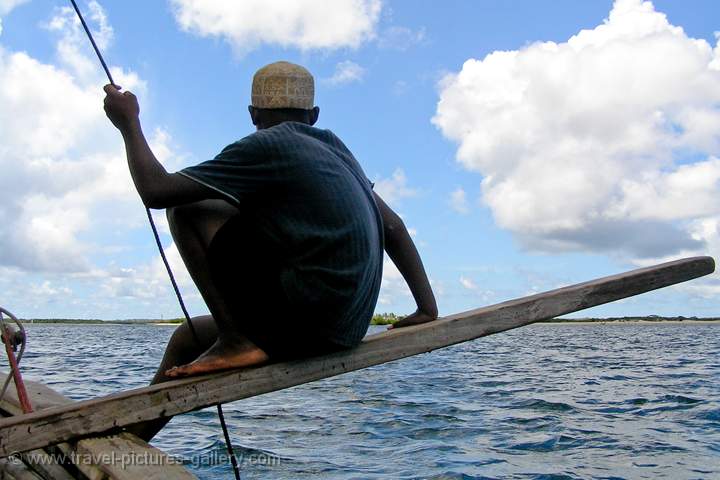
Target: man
(281, 232)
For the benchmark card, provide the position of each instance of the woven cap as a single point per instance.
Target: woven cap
(283, 85)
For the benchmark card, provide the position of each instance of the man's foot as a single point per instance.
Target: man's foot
(222, 355)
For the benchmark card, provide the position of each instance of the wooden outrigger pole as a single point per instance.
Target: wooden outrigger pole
(113, 412)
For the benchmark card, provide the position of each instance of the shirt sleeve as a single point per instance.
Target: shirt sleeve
(240, 170)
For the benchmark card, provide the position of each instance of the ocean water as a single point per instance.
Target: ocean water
(612, 401)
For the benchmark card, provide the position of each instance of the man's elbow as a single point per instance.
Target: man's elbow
(394, 227)
(154, 199)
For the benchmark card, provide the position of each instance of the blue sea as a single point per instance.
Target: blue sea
(548, 401)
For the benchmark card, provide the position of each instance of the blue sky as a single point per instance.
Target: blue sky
(526, 144)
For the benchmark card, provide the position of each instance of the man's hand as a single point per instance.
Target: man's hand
(121, 107)
(415, 319)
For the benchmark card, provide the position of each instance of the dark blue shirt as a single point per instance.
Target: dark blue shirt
(314, 202)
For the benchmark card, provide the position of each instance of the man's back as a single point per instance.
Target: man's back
(314, 205)
(301, 239)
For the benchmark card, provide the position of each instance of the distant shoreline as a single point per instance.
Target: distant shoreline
(652, 319)
(634, 320)
(81, 321)
(601, 321)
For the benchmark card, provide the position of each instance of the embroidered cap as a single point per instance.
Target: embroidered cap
(283, 85)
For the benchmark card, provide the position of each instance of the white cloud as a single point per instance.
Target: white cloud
(304, 24)
(149, 281)
(73, 42)
(346, 72)
(394, 289)
(707, 230)
(468, 283)
(67, 193)
(687, 192)
(47, 289)
(400, 87)
(6, 6)
(458, 201)
(392, 189)
(400, 38)
(606, 142)
(63, 163)
(474, 291)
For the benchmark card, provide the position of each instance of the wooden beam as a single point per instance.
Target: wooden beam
(14, 469)
(39, 429)
(124, 456)
(41, 397)
(117, 457)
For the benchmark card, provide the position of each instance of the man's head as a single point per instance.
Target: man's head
(283, 92)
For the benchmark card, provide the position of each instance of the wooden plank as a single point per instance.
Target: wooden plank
(45, 465)
(41, 462)
(43, 397)
(127, 457)
(112, 412)
(14, 469)
(118, 457)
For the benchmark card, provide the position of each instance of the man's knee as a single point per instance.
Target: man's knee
(204, 218)
(203, 211)
(182, 339)
(179, 214)
(184, 219)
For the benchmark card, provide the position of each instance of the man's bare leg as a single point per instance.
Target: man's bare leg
(193, 227)
(181, 349)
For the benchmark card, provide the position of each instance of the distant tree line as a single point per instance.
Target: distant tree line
(385, 318)
(377, 319)
(93, 321)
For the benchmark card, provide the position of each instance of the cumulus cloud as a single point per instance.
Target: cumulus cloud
(346, 72)
(63, 166)
(304, 24)
(67, 193)
(605, 142)
(149, 281)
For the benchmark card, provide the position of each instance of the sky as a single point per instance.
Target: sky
(527, 145)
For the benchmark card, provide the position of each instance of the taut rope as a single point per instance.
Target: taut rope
(233, 460)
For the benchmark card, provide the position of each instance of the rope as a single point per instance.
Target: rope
(233, 460)
(172, 277)
(92, 40)
(221, 416)
(228, 443)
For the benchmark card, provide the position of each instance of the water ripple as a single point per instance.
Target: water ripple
(618, 401)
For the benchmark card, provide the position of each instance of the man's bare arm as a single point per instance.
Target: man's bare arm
(401, 250)
(157, 187)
